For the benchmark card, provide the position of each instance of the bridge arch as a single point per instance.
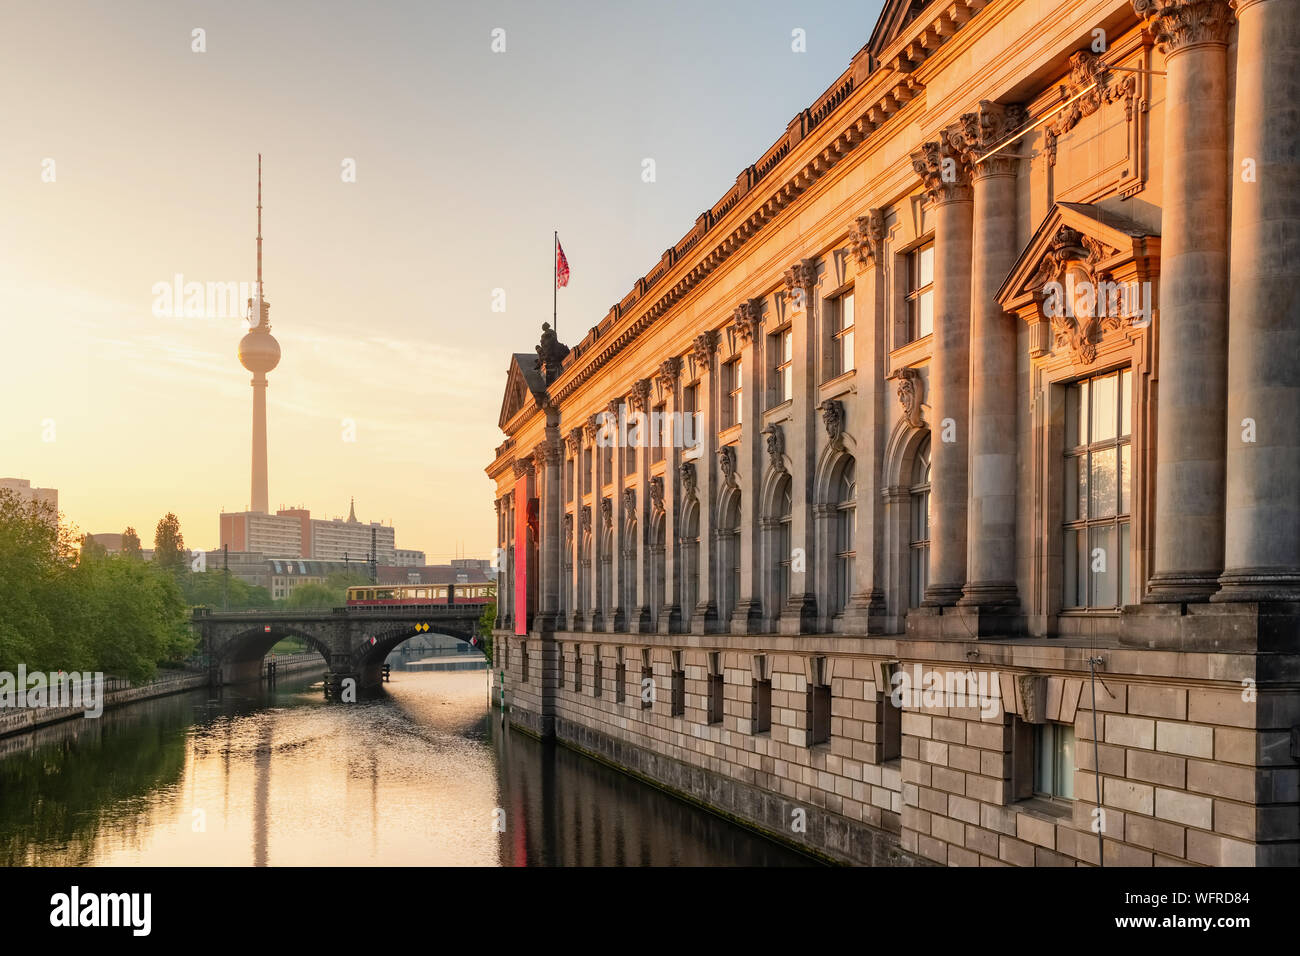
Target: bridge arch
(254, 643)
(389, 637)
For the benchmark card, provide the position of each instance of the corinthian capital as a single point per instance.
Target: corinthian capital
(943, 168)
(1178, 24)
(747, 320)
(800, 279)
(979, 132)
(866, 235)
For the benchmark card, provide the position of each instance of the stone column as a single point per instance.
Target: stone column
(991, 520)
(747, 325)
(947, 183)
(546, 462)
(500, 566)
(704, 620)
(617, 601)
(670, 611)
(638, 616)
(1192, 326)
(866, 609)
(799, 615)
(1262, 540)
(595, 617)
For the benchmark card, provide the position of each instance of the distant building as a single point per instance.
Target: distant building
(288, 575)
(403, 558)
(22, 488)
(436, 574)
(294, 533)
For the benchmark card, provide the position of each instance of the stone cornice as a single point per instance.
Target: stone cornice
(1179, 24)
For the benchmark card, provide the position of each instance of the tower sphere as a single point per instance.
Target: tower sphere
(259, 352)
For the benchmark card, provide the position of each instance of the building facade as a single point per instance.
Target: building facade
(23, 490)
(986, 550)
(294, 533)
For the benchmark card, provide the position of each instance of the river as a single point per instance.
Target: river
(423, 775)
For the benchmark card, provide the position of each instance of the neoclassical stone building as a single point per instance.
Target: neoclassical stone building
(992, 365)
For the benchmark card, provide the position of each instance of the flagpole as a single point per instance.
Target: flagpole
(555, 283)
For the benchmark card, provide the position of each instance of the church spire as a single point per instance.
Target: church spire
(352, 512)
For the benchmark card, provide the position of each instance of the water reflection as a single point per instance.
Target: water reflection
(277, 777)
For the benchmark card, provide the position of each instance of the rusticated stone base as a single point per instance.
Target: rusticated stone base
(1229, 627)
(826, 835)
(964, 622)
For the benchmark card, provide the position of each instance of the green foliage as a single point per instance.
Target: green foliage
(99, 613)
(169, 546)
(486, 620)
(90, 548)
(315, 594)
(131, 544)
(219, 591)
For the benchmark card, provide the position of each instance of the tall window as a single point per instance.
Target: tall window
(607, 461)
(734, 382)
(781, 544)
(606, 602)
(661, 428)
(920, 293)
(1098, 463)
(716, 688)
(630, 552)
(1054, 760)
(844, 360)
(846, 524)
(570, 469)
(783, 356)
(597, 675)
(920, 522)
(658, 574)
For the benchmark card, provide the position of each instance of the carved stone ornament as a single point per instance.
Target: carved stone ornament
(551, 353)
(943, 169)
(866, 236)
(606, 513)
(747, 320)
(800, 280)
(727, 463)
(541, 454)
(775, 439)
(687, 472)
(1075, 295)
(639, 396)
(702, 349)
(1178, 23)
(979, 132)
(523, 466)
(629, 500)
(669, 371)
(568, 529)
(657, 494)
(573, 442)
(833, 418)
(910, 395)
(1086, 69)
(586, 519)
(1032, 690)
(590, 428)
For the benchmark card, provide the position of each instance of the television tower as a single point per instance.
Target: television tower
(259, 352)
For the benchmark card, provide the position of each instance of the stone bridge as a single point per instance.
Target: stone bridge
(354, 641)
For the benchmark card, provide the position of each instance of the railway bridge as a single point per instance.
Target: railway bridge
(354, 641)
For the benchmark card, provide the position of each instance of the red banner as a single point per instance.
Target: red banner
(521, 555)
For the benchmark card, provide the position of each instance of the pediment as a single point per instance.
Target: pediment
(893, 19)
(1085, 271)
(523, 387)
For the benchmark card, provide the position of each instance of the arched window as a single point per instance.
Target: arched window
(919, 536)
(729, 557)
(631, 551)
(846, 532)
(658, 586)
(584, 572)
(781, 543)
(690, 541)
(607, 572)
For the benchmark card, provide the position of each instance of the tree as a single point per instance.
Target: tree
(486, 621)
(169, 546)
(91, 549)
(314, 594)
(131, 544)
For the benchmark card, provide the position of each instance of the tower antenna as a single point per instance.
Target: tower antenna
(259, 235)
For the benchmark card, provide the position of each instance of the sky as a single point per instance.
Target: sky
(129, 158)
